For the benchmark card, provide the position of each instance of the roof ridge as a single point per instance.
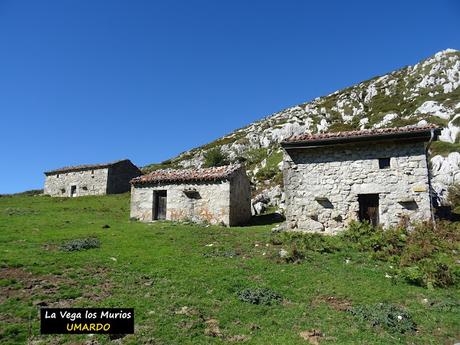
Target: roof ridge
(85, 166)
(188, 174)
(358, 133)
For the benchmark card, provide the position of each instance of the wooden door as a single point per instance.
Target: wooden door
(369, 208)
(161, 205)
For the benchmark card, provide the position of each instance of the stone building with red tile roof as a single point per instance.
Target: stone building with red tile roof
(376, 175)
(218, 195)
(91, 179)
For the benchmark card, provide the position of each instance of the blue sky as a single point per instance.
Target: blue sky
(93, 81)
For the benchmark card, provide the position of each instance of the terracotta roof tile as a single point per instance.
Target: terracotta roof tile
(84, 167)
(381, 132)
(188, 175)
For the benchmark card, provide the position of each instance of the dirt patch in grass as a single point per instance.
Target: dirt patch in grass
(212, 328)
(336, 303)
(312, 336)
(43, 289)
(25, 285)
(241, 338)
(6, 318)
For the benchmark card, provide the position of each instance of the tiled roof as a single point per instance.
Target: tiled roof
(366, 133)
(84, 167)
(188, 175)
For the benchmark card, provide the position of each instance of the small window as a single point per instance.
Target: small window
(62, 190)
(384, 163)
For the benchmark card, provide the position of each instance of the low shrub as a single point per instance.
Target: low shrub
(305, 242)
(358, 231)
(263, 296)
(215, 158)
(81, 244)
(448, 304)
(267, 173)
(432, 272)
(413, 275)
(424, 255)
(388, 316)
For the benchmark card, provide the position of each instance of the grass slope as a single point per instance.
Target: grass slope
(184, 290)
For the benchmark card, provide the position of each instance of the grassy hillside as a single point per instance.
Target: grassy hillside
(185, 281)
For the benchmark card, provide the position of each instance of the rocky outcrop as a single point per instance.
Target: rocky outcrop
(445, 172)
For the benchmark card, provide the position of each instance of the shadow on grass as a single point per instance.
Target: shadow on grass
(266, 219)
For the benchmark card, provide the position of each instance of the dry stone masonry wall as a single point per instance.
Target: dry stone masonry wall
(322, 185)
(86, 182)
(212, 205)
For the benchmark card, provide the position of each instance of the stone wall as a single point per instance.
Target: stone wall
(119, 176)
(87, 182)
(212, 205)
(322, 184)
(217, 202)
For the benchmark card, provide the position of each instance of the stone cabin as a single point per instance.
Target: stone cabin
(91, 179)
(219, 195)
(378, 175)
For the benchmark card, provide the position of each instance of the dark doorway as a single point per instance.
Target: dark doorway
(73, 191)
(369, 208)
(160, 205)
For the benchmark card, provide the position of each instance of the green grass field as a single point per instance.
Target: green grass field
(183, 281)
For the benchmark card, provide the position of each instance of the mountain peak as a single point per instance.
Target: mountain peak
(446, 51)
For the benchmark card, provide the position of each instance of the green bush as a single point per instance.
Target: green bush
(263, 296)
(388, 316)
(255, 156)
(413, 275)
(431, 273)
(439, 271)
(423, 256)
(308, 242)
(267, 173)
(447, 304)
(357, 231)
(81, 244)
(215, 158)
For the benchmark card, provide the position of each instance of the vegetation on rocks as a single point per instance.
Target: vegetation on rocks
(215, 158)
(443, 148)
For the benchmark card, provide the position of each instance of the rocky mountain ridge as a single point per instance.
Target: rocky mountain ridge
(427, 92)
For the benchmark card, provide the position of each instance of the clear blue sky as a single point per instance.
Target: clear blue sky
(93, 81)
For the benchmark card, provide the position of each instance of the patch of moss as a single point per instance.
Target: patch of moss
(442, 148)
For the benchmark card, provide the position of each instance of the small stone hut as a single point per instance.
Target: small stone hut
(378, 175)
(91, 179)
(218, 195)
